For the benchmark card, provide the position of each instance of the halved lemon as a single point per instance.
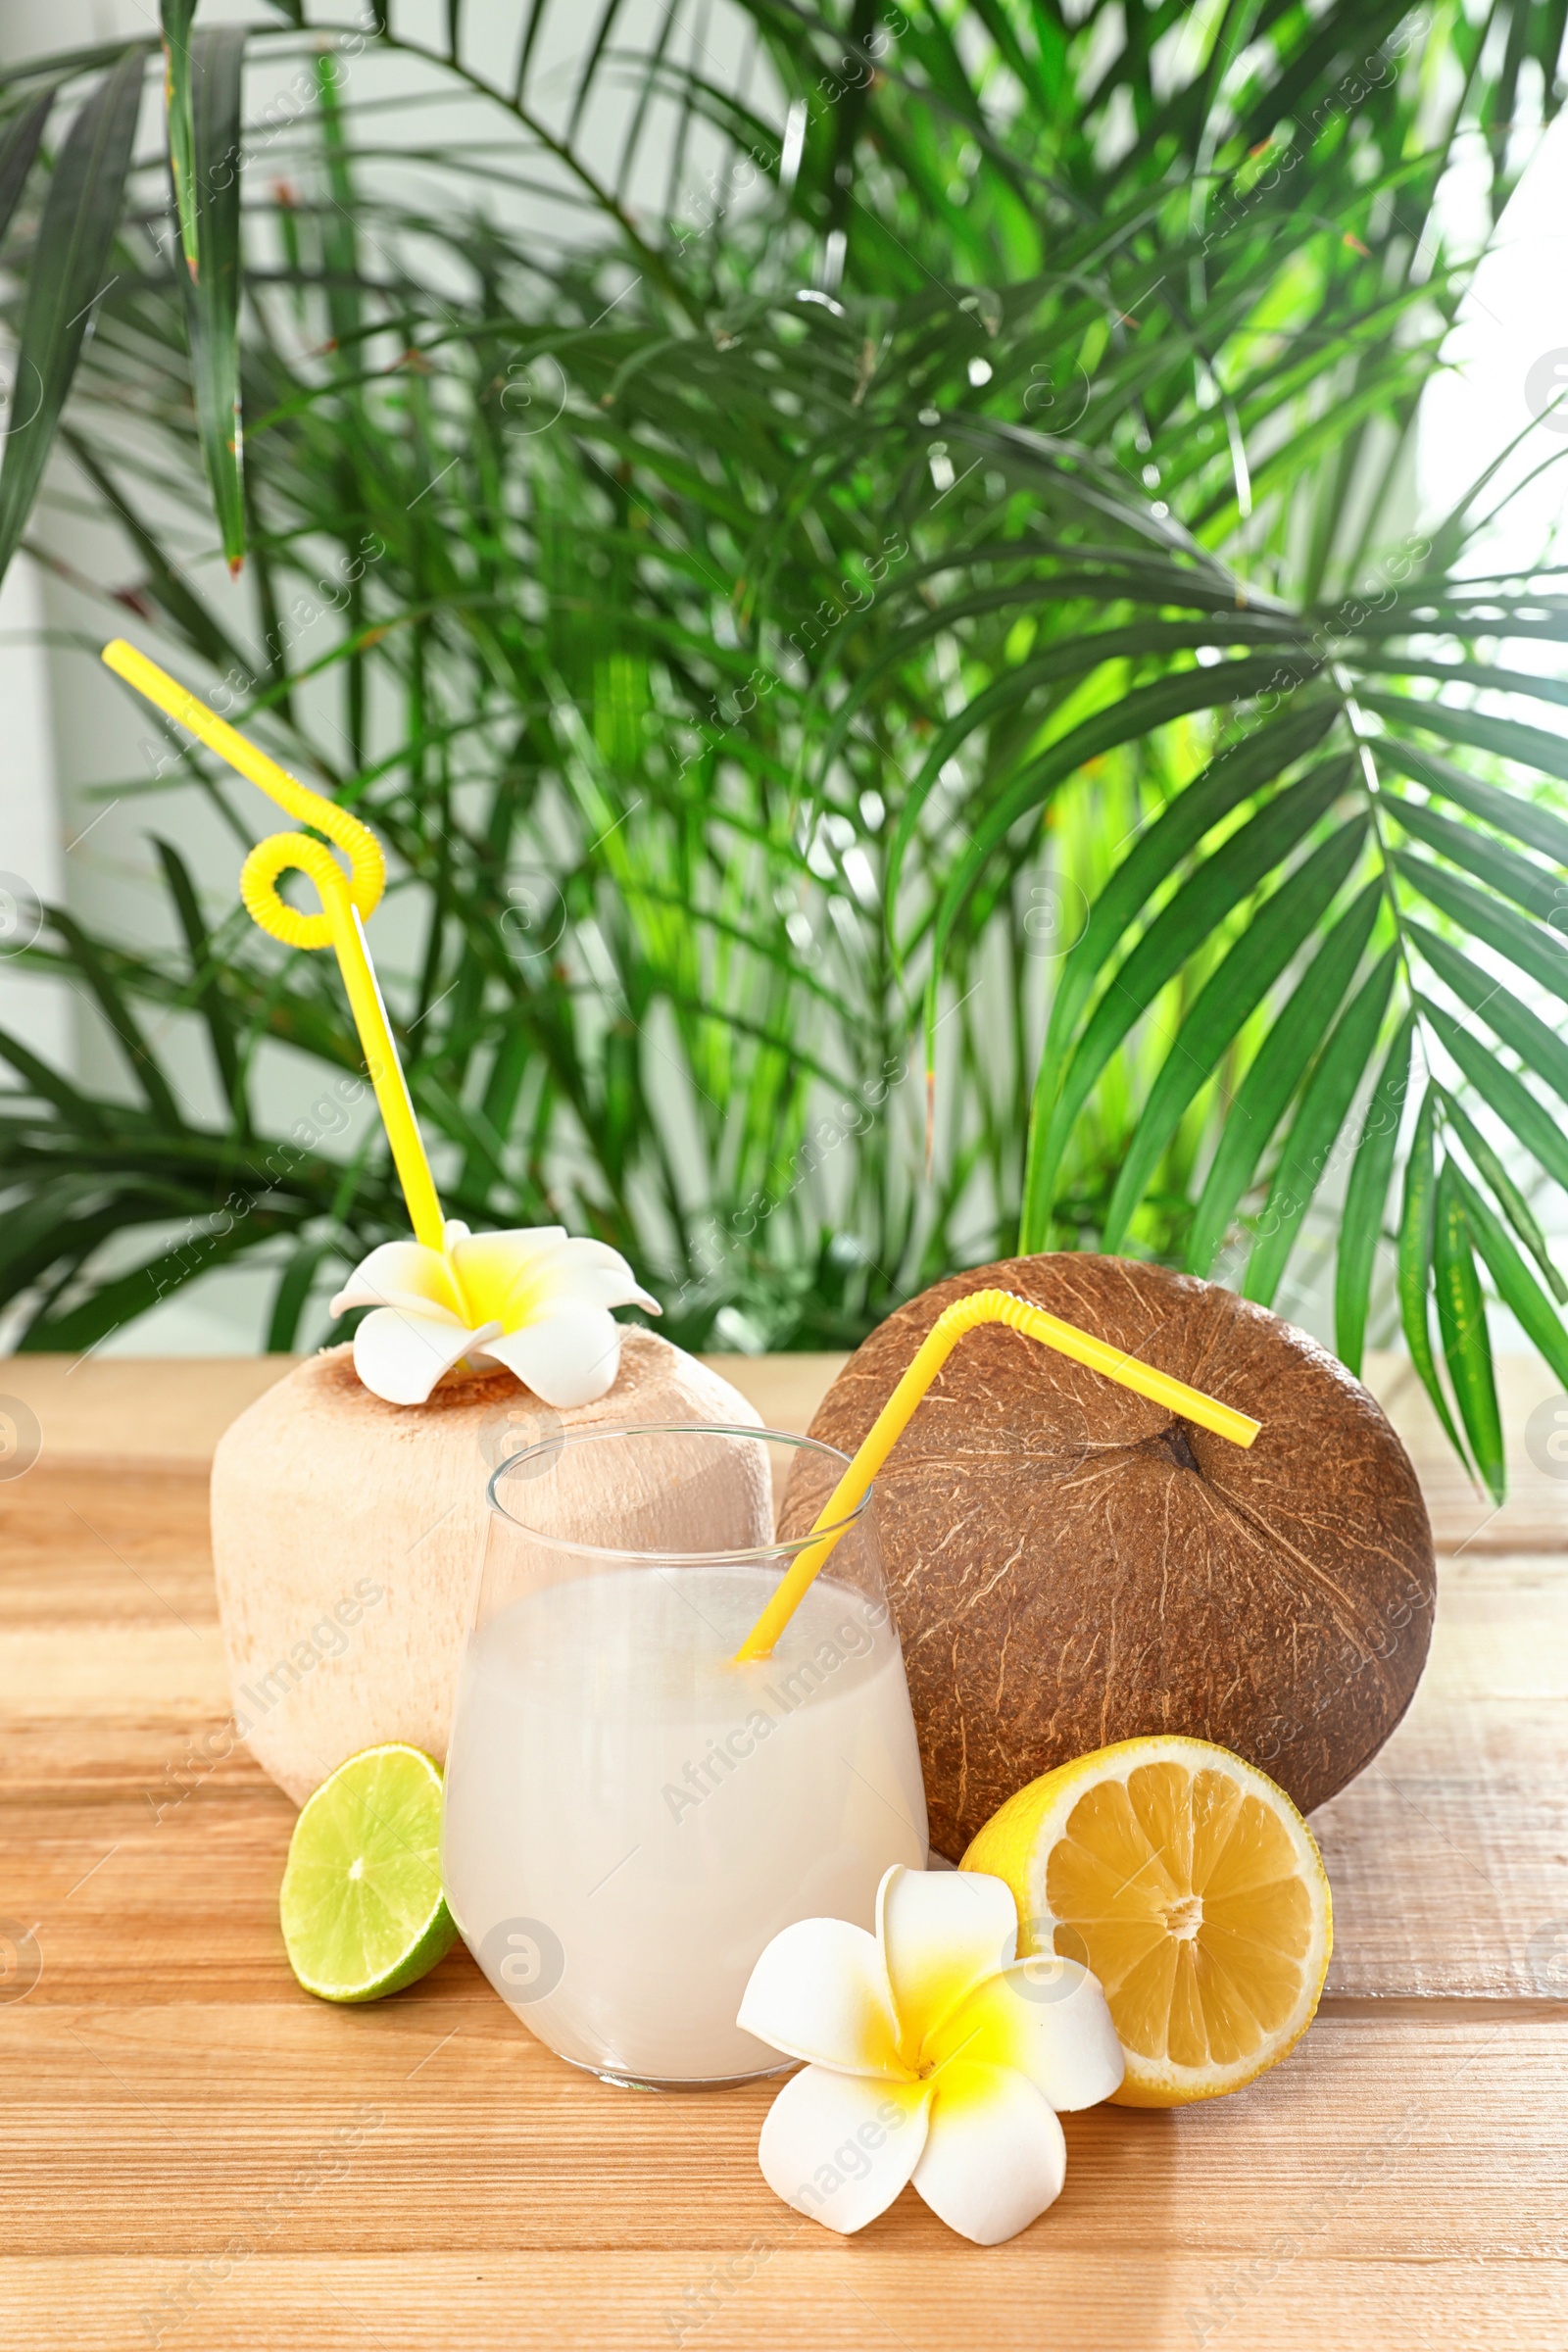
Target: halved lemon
(1191, 1888)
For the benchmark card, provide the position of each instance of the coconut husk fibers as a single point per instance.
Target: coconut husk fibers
(1070, 1565)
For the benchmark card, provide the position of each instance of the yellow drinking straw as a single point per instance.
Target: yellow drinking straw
(347, 904)
(949, 1327)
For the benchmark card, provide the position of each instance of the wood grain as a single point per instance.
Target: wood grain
(173, 2104)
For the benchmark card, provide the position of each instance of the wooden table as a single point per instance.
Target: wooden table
(199, 2155)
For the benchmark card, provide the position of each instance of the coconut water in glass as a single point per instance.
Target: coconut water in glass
(630, 1815)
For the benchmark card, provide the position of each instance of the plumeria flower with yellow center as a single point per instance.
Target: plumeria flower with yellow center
(933, 2055)
(534, 1299)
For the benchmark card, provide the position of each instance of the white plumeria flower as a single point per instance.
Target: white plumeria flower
(934, 2055)
(534, 1299)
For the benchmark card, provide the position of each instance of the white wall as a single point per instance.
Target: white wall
(32, 843)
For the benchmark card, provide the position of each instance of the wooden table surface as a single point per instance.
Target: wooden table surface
(198, 2154)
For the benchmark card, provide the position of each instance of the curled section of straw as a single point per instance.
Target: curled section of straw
(284, 853)
(347, 903)
(281, 853)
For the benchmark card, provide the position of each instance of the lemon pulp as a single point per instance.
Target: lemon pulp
(1191, 1886)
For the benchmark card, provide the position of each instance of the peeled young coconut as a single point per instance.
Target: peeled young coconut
(347, 1532)
(1070, 1564)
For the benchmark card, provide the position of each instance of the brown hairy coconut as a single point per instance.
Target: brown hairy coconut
(1070, 1565)
(346, 1538)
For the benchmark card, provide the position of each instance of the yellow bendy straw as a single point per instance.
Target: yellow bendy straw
(347, 904)
(965, 1316)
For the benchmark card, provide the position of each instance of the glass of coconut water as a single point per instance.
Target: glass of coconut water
(631, 1815)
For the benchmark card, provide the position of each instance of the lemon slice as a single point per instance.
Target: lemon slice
(1194, 1891)
(362, 1906)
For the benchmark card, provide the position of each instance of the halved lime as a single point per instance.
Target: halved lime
(362, 1905)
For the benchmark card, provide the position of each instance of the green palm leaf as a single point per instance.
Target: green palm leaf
(1530, 946)
(1508, 738)
(176, 18)
(1536, 1044)
(1418, 1221)
(1511, 1099)
(1365, 1197)
(1276, 1071)
(1525, 820)
(1189, 920)
(1490, 861)
(70, 274)
(206, 982)
(1516, 1287)
(1325, 1106)
(1462, 1321)
(1514, 1206)
(1236, 776)
(1278, 928)
(20, 135)
(213, 69)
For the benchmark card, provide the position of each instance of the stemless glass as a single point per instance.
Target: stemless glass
(631, 1816)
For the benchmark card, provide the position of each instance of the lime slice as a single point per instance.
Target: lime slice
(362, 1905)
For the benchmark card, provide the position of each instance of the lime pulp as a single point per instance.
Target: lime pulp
(362, 1907)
